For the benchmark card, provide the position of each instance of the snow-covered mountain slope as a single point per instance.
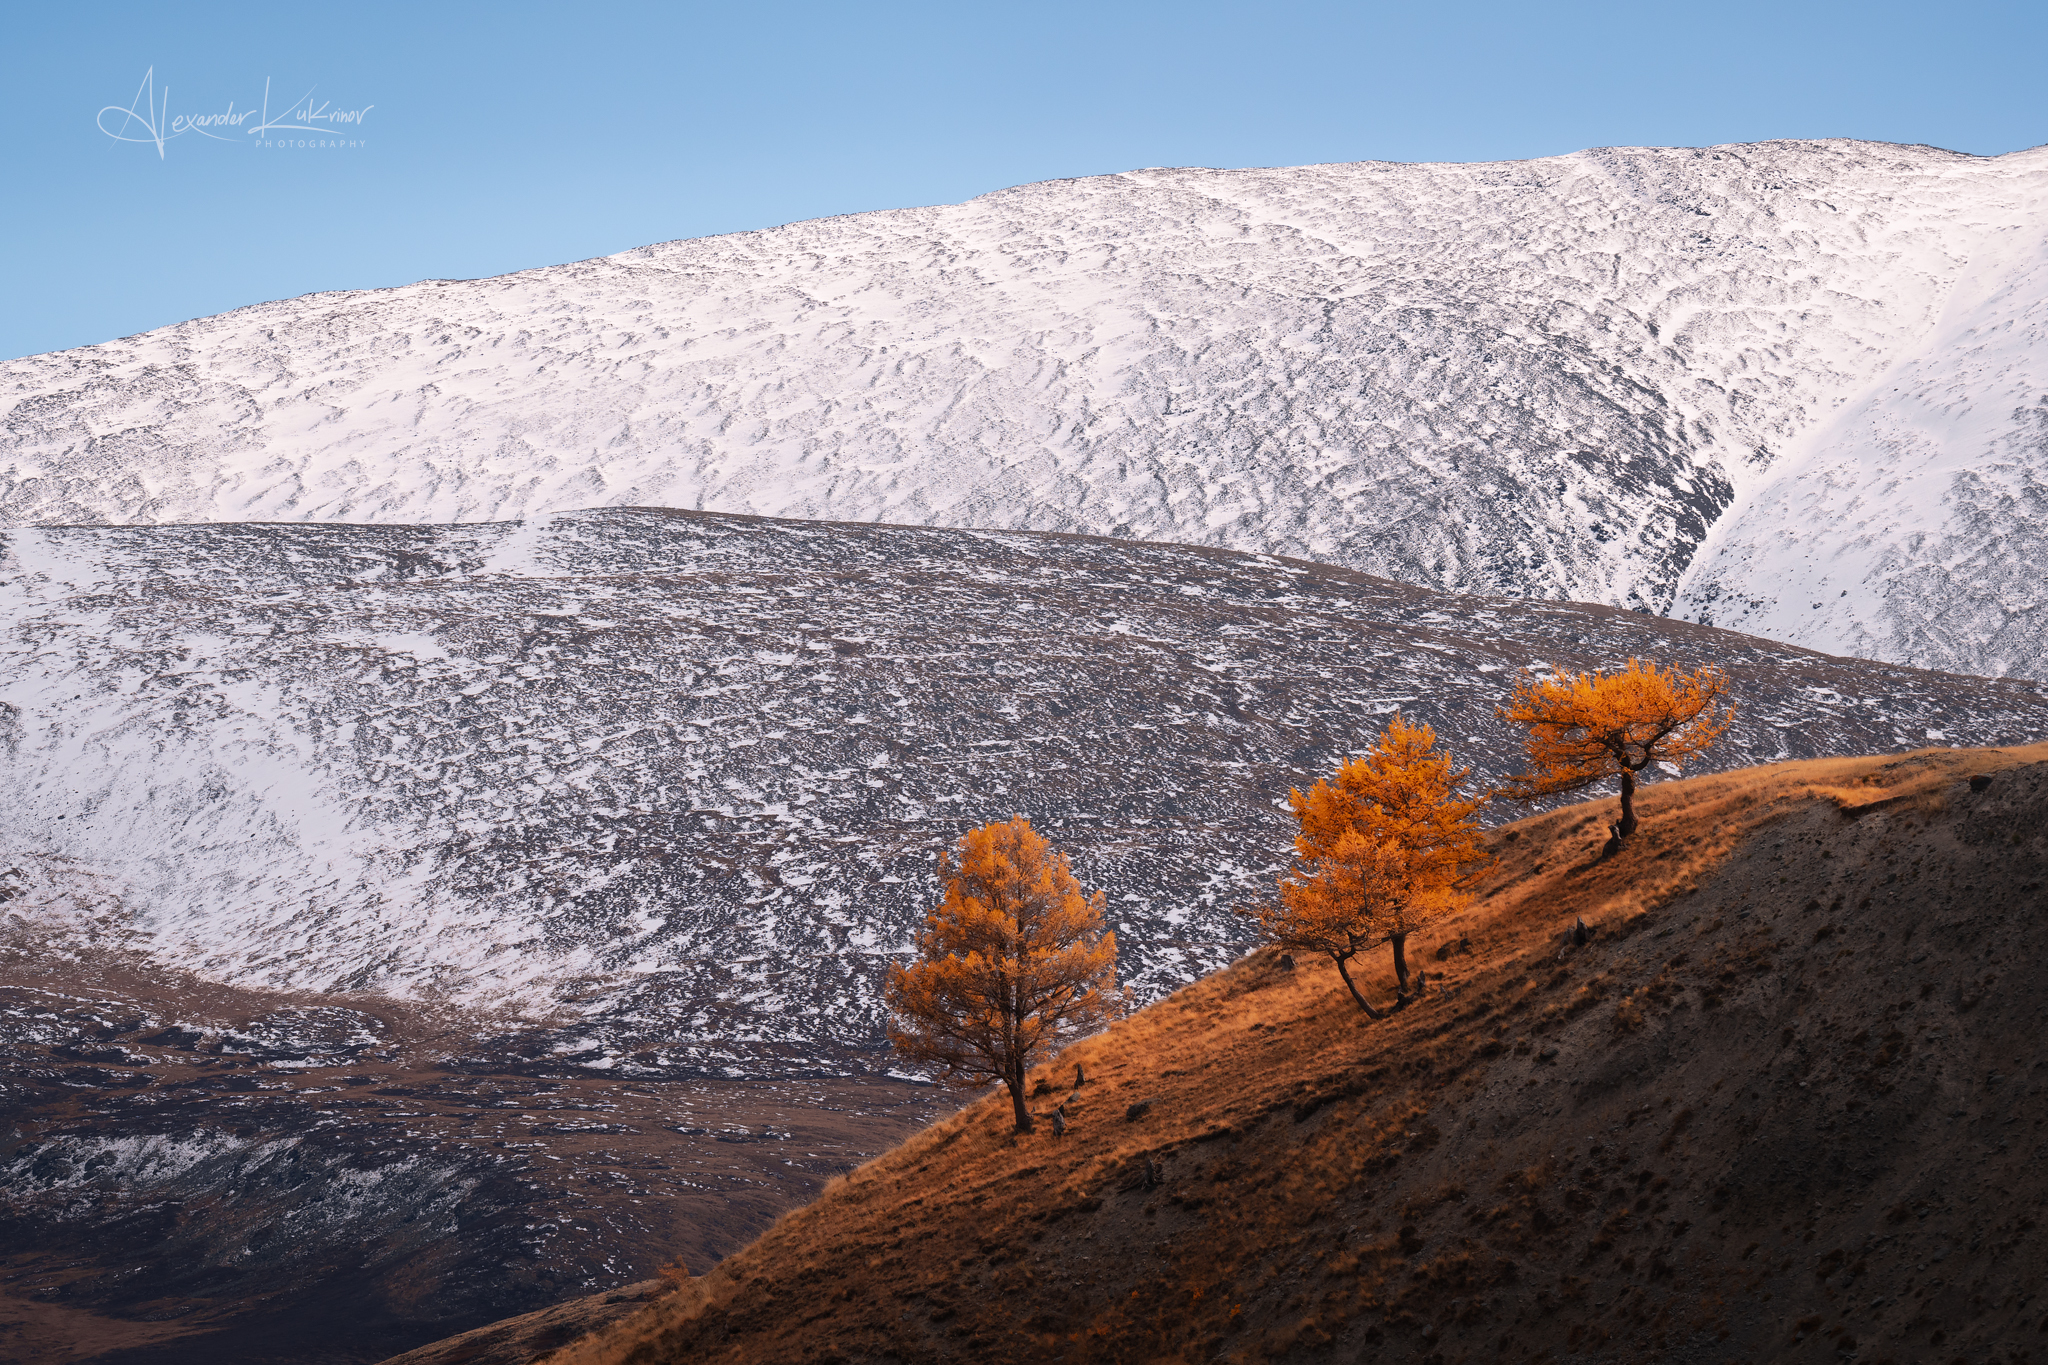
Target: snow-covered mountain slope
(688, 773)
(1912, 525)
(1547, 378)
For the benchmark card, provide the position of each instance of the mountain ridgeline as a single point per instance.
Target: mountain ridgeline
(474, 749)
(1798, 389)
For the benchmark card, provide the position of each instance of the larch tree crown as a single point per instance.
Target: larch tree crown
(1385, 847)
(1013, 961)
(1587, 727)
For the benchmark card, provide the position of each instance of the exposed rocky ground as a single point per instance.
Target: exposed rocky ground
(1788, 1104)
(1794, 388)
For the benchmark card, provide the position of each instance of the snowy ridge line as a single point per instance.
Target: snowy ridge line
(686, 774)
(1792, 387)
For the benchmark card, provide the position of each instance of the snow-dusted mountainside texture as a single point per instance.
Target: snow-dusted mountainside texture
(1911, 525)
(689, 772)
(1557, 378)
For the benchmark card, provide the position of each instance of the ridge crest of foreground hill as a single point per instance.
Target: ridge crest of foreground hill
(1787, 1100)
(1794, 388)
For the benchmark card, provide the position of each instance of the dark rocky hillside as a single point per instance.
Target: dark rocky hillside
(193, 1174)
(651, 770)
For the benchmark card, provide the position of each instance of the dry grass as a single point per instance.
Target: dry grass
(1559, 1150)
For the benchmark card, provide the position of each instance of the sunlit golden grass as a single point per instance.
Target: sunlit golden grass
(1251, 1162)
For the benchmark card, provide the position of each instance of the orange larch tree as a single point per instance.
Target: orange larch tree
(1012, 961)
(1587, 727)
(1385, 847)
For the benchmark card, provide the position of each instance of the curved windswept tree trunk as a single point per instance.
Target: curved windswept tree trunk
(1340, 959)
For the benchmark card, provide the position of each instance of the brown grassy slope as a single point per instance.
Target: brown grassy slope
(1788, 1103)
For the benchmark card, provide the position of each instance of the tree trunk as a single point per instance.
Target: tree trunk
(1400, 942)
(1370, 1012)
(1628, 805)
(1016, 1083)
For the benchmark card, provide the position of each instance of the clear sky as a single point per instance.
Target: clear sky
(498, 137)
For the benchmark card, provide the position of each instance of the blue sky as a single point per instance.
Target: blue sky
(500, 137)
